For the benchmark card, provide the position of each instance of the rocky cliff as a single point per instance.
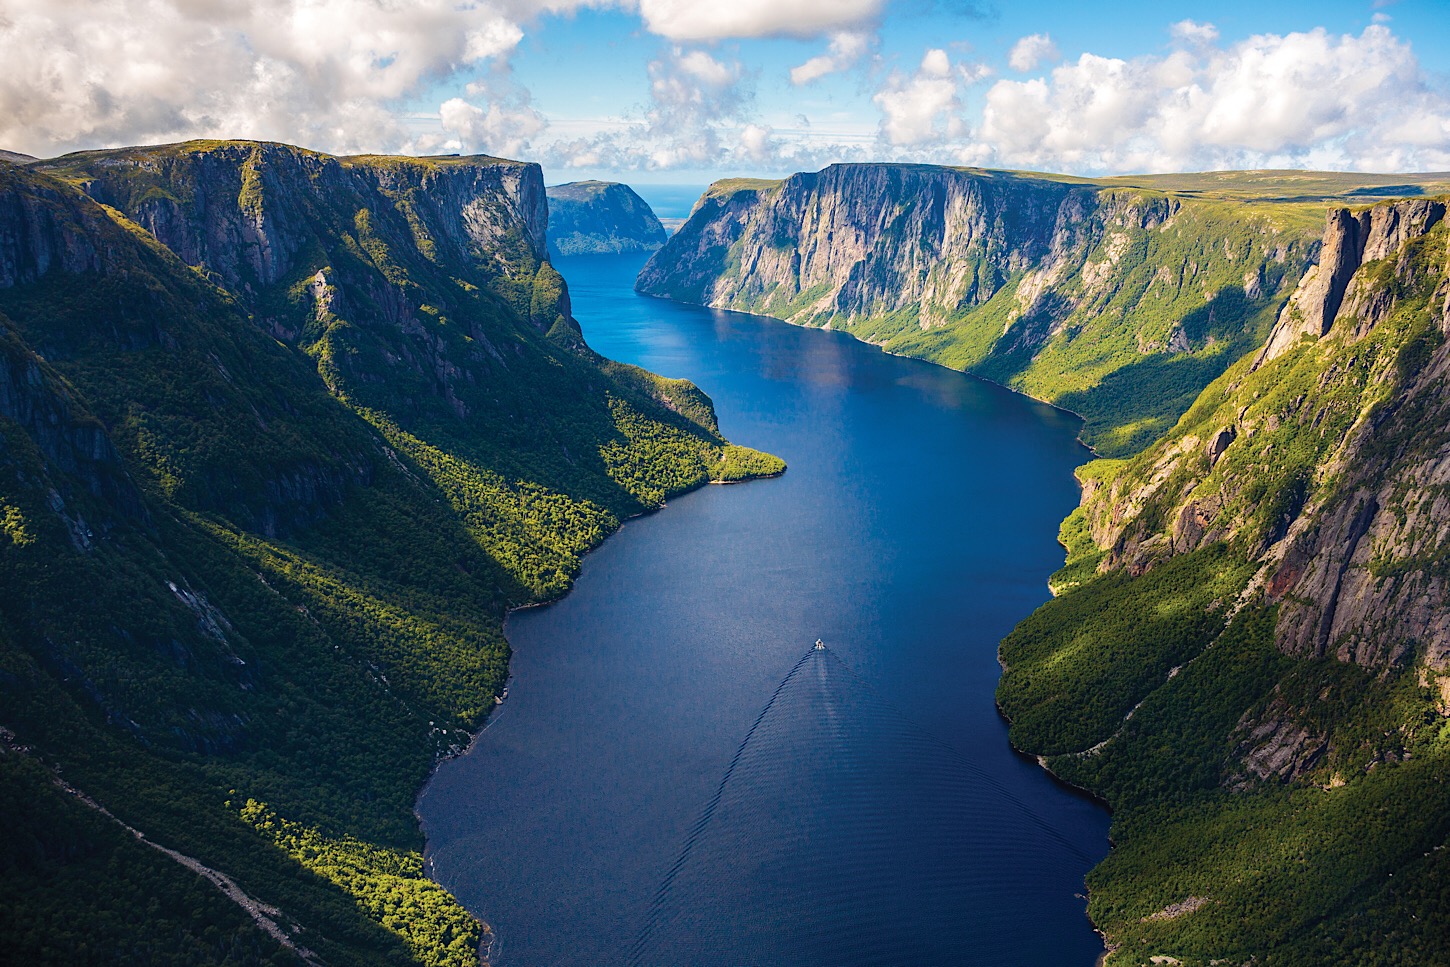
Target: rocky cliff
(1118, 302)
(1342, 527)
(282, 436)
(601, 217)
(1250, 651)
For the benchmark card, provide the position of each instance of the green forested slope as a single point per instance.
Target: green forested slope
(1249, 653)
(601, 217)
(1117, 298)
(284, 436)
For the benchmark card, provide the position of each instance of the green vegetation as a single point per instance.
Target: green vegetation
(1120, 299)
(389, 886)
(596, 217)
(270, 479)
(1273, 803)
(742, 463)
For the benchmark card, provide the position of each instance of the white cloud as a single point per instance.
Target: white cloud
(696, 117)
(755, 143)
(1268, 101)
(700, 66)
(924, 107)
(719, 19)
(499, 129)
(1032, 50)
(1193, 34)
(847, 47)
(327, 73)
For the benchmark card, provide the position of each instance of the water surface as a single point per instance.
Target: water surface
(677, 777)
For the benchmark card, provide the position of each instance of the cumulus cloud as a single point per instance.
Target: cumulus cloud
(324, 72)
(720, 19)
(1311, 98)
(923, 107)
(693, 98)
(498, 128)
(755, 143)
(339, 75)
(1193, 33)
(1032, 50)
(846, 49)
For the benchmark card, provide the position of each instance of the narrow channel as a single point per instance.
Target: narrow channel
(679, 777)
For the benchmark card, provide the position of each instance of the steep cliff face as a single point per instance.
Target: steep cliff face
(1349, 242)
(1120, 303)
(282, 436)
(389, 246)
(601, 217)
(1343, 526)
(1250, 651)
(246, 210)
(35, 401)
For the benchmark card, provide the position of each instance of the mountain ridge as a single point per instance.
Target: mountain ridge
(601, 217)
(266, 494)
(1117, 301)
(1248, 651)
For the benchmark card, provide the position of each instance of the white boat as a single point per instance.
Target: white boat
(820, 645)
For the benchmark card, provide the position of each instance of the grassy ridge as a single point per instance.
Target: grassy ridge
(261, 516)
(1271, 803)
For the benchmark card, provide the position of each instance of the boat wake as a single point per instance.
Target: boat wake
(844, 833)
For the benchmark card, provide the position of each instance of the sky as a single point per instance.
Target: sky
(685, 91)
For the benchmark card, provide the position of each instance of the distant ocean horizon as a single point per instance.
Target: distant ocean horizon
(671, 203)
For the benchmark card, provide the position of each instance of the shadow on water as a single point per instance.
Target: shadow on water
(915, 526)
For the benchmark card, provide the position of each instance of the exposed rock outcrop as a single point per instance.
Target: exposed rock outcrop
(1350, 241)
(246, 210)
(1335, 470)
(601, 217)
(1033, 281)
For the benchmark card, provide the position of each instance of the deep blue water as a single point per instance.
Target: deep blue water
(677, 777)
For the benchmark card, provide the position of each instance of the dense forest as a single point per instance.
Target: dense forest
(285, 435)
(1247, 656)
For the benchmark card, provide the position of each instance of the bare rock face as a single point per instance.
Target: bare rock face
(859, 241)
(1220, 443)
(1351, 546)
(601, 217)
(1279, 747)
(250, 208)
(1349, 242)
(32, 240)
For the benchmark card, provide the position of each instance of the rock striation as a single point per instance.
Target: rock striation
(599, 218)
(1117, 302)
(283, 436)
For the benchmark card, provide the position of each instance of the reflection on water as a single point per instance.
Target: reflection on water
(877, 814)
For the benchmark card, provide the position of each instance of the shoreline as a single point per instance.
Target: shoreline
(887, 352)
(491, 940)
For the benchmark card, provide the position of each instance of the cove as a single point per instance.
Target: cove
(678, 777)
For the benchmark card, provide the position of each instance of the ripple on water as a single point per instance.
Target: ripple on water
(829, 780)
